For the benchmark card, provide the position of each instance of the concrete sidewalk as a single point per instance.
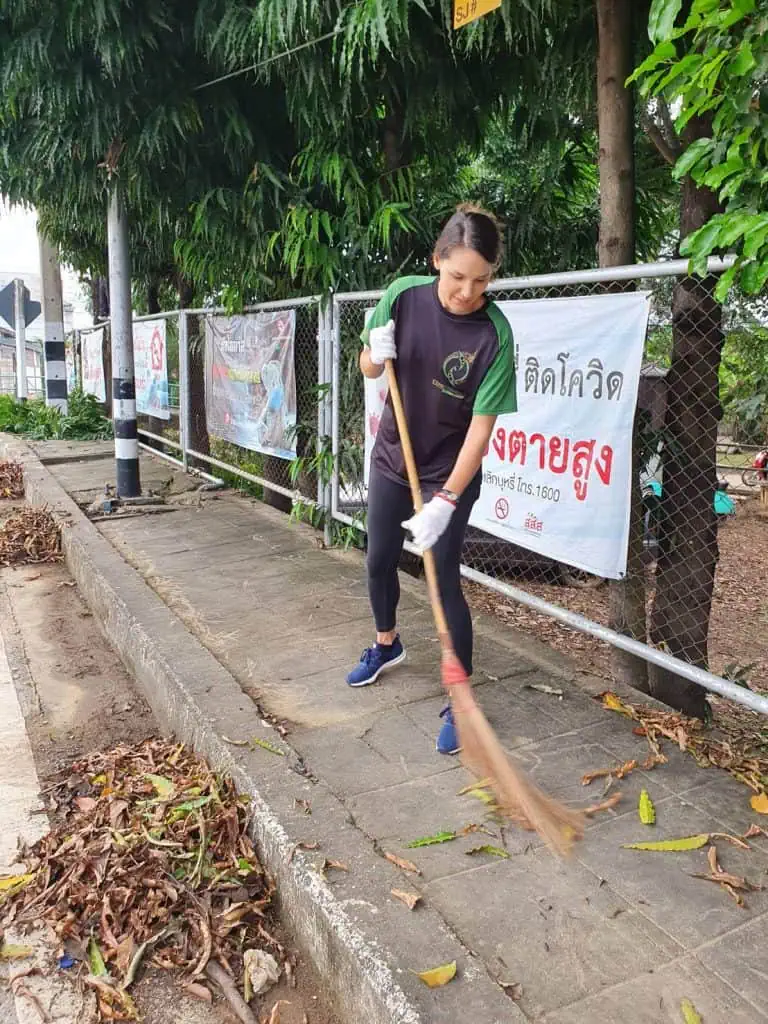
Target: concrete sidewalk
(613, 936)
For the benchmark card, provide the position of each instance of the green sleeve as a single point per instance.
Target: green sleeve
(383, 312)
(497, 393)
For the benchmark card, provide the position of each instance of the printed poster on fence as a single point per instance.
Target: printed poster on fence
(557, 475)
(91, 354)
(151, 368)
(250, 383)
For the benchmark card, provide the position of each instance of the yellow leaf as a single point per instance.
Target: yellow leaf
(759, 803)
(10, 952)
(438, 976)
(645, 809)
(163, 787)
(672, 845)
(688, 1010)
(612, 702)
(8, 882)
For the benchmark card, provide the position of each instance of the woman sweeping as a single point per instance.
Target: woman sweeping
(455, 368)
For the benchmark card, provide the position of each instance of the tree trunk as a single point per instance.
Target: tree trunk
(685, 573)
(616, 247)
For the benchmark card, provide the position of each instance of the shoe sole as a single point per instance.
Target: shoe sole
(448, 753)
(384, 668)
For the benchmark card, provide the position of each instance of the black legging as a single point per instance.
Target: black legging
(389, 504)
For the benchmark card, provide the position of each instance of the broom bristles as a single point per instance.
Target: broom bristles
(518, 798)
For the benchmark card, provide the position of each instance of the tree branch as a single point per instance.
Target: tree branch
(668, 125)
(658, 138)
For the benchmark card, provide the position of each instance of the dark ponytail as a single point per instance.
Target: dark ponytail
(473, 228)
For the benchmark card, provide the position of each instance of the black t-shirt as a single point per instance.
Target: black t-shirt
(449, 368)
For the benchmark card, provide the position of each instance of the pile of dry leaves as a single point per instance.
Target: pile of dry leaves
(11, 479)
(733, 745)
(32, 535)
(149, 861)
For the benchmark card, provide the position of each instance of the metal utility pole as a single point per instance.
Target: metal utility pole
(123, 380)
(53, 320)
(21, 339)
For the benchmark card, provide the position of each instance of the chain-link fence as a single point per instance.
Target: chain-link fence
(694, 584)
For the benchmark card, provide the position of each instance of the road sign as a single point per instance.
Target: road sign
(7, 306)
(465, 11)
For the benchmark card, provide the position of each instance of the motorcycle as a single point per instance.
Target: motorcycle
(757, 473)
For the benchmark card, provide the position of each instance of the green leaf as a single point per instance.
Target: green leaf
(9, 951)
(663, 52)
(645, 809)
(163, 787)
(726, 282)
(671, 845)
(266, 745)
(703, 241)
(688, 1010)
(439, 837)
(754, 276)
(744, 60)
(493, 851)
(716, 175)
(96, 960)
(695, 152)
(661, 20)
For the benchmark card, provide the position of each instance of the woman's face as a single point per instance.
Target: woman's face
(464, 276)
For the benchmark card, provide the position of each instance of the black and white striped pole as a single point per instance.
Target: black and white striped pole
(121, 327)
(53, 320)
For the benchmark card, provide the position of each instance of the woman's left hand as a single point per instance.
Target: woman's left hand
(428, 526)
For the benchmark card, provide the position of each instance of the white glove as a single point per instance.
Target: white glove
(428, 526)
(382, 343)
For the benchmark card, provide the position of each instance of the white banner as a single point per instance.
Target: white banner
(151, 368)
(91, 348)
(557, 475)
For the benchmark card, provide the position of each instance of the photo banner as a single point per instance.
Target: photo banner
(151, 368)
(557, 474)
(250, 383)
(92, 355)
(69, 362)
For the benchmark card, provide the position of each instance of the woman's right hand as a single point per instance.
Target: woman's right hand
(381, 342)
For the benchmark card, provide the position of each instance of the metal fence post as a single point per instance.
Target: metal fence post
(335, 352)
(326, 355)
(184, 386)
(54, 361)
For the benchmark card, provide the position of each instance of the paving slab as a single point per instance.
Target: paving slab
(611, 935)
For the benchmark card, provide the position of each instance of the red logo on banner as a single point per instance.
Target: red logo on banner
(156, 350)
(502, 508)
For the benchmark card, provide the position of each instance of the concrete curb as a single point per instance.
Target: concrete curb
(194, 697)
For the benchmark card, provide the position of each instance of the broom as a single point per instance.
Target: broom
(516, 796)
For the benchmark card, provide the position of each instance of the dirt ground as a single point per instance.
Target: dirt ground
(738, 635)
(77, 697)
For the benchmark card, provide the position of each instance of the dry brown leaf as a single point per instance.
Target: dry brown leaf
(605, 805)
(406, 865)
(617, 773)
(753, 831)
(274, 1017)
(410, 899)
(199, 991)
(85, 803)
(336, 864)
(514, 990)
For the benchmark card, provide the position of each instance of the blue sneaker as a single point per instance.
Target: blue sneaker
(375, 660)
(448, 739)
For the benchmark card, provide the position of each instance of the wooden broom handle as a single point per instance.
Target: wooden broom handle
(418, 504)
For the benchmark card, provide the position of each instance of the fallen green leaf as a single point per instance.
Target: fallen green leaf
(96, 960)
(645, 809)
(494, 851)
(179, 810)
(9, 951)
(688, 1010)
(672, 845)
(439, 837)
(163, 787)
(266, 745)
(438, 976)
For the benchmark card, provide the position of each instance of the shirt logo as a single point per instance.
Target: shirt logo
(457, 366)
